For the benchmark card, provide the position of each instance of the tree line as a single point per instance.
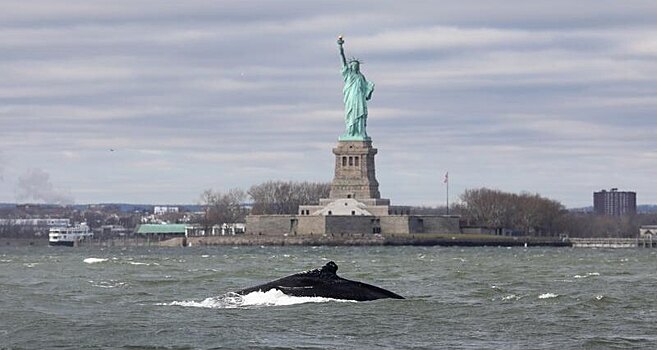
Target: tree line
(531, 214)
(523, 213)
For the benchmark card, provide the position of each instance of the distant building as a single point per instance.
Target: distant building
(228, 229)
(36, 227)
(648, 230)
(113, 230)
(37, 222)
(215, 230)
(159, 210)
(614, 202)
(161, 230)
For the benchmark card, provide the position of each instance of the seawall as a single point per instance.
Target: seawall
(315, 240)
(371, 240)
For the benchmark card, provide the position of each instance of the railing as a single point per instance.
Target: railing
(646, 242)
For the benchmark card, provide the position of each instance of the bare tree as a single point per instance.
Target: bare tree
(526, 212)
(579, 224)
(284, 197)
(222, 208)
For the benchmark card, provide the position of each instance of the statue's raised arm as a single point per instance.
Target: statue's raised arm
(340, 42)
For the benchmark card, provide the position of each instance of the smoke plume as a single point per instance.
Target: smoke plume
(2, 168)
(35, 184)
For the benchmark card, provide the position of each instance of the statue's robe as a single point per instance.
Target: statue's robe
(357, 90)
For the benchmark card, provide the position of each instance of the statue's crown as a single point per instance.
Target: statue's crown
(354, 59)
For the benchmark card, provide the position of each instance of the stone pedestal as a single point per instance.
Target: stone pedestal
(354, 171)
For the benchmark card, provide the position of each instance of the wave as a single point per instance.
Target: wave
(108, 284)
(94, 260)
(548, 296)
(137, 263)
(273, 297)
(589, 274)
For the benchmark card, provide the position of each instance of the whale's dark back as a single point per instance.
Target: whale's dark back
(325, 283)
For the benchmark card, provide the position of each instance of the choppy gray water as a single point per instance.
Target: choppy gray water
(458, 298)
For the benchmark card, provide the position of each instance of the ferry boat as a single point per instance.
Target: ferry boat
(69, 236)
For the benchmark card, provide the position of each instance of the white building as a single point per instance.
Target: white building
(163, 209)
(648, 230)
(228, 229)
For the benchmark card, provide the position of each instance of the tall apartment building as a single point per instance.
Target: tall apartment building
(614, 202)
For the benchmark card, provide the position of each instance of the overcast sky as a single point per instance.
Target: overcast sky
(551, 97)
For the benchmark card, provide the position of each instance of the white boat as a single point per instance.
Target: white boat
(68, 236)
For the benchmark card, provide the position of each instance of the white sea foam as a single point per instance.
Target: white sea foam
(510, 297)
(276, 298)
(94, 260)
(548, 296)
(107, 284)
(271, 297)
(599, 297)
(138, 263)
(210, 303)
(589, 274)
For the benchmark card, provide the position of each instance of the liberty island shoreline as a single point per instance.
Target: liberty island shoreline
(445, 240)
(347, 240)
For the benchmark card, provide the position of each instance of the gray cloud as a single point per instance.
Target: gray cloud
(548, 96)
(35, 184)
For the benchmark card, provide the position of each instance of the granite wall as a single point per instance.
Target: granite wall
(269, 224)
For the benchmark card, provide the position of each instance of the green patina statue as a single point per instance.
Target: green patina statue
(357, 91)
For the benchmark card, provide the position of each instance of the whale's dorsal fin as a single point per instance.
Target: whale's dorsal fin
(330, 268)
(326, 271)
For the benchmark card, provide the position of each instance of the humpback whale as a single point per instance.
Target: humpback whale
(324, 282)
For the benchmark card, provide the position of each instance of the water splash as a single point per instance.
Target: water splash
(273, 297)
(94, 260)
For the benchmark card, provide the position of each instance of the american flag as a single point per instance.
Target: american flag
(446, 178)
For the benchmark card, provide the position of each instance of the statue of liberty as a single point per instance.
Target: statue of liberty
(357, 91)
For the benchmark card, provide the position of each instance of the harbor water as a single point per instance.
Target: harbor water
(457, 298)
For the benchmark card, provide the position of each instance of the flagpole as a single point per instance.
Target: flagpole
(447, 192)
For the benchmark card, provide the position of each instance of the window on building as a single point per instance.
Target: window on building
(330, 213)
(353, 212)
(356, 161)
(351, 161)
(344, 161)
